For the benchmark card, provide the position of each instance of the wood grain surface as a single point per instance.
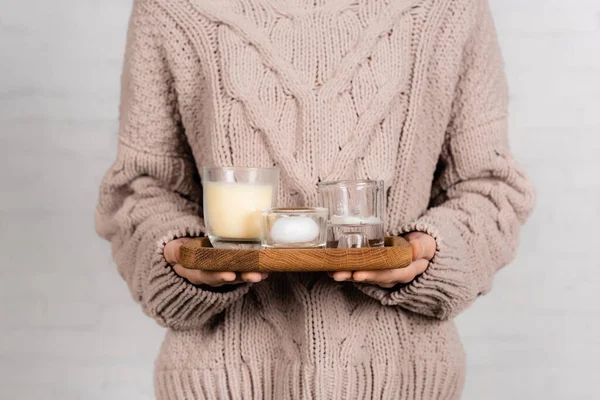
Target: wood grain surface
(199, 254)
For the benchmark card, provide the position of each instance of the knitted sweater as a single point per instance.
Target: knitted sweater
(411, 92)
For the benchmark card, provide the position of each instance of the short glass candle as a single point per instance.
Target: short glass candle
(233, 200)
(356, 213)
(294, 228)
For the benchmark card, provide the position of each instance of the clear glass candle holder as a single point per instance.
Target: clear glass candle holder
(356, 213)
(233, 200)
(293, 228)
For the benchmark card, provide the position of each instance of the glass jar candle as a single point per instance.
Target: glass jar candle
(233, 200)
(293, 228)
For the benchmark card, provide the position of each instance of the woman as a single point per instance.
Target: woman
(411, 92)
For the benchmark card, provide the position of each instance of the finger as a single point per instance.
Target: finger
(374, 276)
(217, 278)
(205, 278)
(419, 266)
(408, 274)
(181, 271)
(424, 246)
(185, 273)
(341, 276)
(253, 277)
(171, 250)
(392, 277)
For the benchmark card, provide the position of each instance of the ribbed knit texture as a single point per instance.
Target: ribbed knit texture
(408, 91)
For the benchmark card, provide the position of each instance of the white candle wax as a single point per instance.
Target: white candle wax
(233, 209)
(291, 230)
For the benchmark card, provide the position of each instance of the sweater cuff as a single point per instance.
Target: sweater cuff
(172, 300)
(447, 286)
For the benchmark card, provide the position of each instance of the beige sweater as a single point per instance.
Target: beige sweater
(408, 91)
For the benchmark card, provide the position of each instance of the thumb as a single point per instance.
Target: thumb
(424, 245)
(171, 251)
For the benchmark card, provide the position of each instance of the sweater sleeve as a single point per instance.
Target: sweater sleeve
(152, 193)
(480, 197)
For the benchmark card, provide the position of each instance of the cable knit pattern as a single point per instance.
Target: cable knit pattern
(408, 91)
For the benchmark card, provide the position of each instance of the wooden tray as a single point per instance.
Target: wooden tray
(199, 254)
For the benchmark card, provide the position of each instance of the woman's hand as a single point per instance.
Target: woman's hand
(197, 277)
(424, 248)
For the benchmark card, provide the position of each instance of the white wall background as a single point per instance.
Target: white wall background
(68, 328)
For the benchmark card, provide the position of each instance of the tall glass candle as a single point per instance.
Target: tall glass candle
(233, 200)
